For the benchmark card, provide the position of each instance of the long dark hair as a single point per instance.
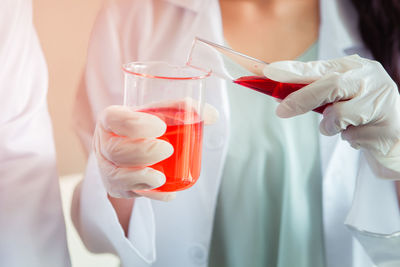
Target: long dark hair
(379, 24)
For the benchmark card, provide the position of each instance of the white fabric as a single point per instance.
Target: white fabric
(365, 109)
(164, 30)
(98, 226)
(32, 230)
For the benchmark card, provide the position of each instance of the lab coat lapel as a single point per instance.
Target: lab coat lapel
(203, 21)
(208, 25)
(339, 37)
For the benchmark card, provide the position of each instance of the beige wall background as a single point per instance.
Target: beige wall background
(64, 28)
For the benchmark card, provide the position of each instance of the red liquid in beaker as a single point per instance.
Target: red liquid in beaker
(185, 133)
(272, 88)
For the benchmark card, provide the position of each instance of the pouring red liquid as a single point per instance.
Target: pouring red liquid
(272, 88)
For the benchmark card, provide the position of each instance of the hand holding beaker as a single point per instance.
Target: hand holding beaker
(154, 141)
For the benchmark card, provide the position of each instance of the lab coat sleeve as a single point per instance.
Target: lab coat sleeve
(98, 225)
(374, 218)
(32, 230)
(102, 85)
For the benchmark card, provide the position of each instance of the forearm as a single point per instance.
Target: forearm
(123, 208)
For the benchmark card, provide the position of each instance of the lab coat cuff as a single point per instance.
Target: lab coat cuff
(100, 228)
(374, 218)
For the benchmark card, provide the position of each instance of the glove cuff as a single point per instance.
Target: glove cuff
(386, 167)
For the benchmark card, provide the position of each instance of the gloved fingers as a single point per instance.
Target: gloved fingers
(362, 136)
(122, 182)
(123, 121)
(308, 72)
(162, 196)
(191, 107)
(340, 115)
(126, 152)
(331, 88)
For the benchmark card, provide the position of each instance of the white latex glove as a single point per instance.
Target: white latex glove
(365, 109)
(125, 142)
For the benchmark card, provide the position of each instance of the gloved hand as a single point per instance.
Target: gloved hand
(365, 109)
(125, 142)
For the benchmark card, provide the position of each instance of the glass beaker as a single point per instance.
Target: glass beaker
(176, 95)
(235, 67)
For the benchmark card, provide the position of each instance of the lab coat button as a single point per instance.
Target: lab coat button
(215, 141)
(198, 254)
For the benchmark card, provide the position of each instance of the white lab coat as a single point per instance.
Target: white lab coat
(178, 233)
(32, 230)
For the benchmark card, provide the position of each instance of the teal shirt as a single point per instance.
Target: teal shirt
(269, 209)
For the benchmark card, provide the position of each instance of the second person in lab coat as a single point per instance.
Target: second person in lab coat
(272, 192)
(32, 229)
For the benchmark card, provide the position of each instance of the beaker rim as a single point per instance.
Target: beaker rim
(202, 74)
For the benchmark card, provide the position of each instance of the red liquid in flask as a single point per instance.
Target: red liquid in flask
(272, 88)
(185, 133)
